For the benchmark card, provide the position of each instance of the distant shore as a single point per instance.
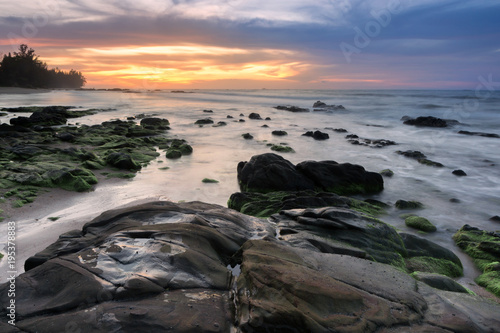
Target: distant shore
(17, 90)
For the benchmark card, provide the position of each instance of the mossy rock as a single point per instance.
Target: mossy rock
(403, 204)
(122, 161)
(173, 153)
(282, 149)
(387, 173)
(78, 180)
(420, 223)
(434, 265)
(484, 248)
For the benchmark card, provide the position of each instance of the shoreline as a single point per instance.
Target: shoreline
(22, 91)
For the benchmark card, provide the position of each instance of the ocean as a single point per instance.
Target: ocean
(370, 114)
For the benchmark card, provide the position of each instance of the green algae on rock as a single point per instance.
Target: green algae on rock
(420, 223)
(43, 156)
(484, 248)
(209, 181)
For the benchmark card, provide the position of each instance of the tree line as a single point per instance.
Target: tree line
(24, 69)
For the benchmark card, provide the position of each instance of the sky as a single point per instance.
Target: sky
(243, 44)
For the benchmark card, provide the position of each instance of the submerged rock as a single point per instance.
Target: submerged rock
(459, 172)
(320, 106)
(189, 267)
(205, 121)
(279, 133)
(291, 108)
(426, 122)
(487, 135)
(317, 135)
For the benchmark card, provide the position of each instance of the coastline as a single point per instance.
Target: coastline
(22, 91)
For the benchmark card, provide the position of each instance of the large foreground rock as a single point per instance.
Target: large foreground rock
(196, 267)
(271, 172)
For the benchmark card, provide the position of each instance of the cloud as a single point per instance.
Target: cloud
(294, 41)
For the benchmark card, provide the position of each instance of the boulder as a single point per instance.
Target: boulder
(342, 179)
(196, 267)
(460, 173)
(270, 172)
(254, 116)
(420, 223)
(161, 123)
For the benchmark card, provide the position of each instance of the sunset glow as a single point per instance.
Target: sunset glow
(255, 44)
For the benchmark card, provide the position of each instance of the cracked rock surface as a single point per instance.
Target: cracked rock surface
(197, 267)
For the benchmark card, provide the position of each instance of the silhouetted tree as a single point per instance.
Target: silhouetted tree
(24, 69)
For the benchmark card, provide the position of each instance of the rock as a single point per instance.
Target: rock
(387, 173)
(282, 149)
(173, 153)
(495, 218)
(205, 121)
(247, 136)
(340, 130)
(209, 181)
(484, 248)
(196, 267)
(268, 118)
(342, 179)
(402, 204)
(317, 135)
(420, 157)
(271, 172)
(291, 108)
(320, 106)
(122, 161)
(220, 124)
(229, 117)
(425, 161)
(241, 120)
(426, 256)
(267, 204)
(378, 143)
(487, 135)
(208, 111)
(459, 172)
(440, 282)
(161, 123)
(279, 133)
(420, 223)
(426, 122)
(254, 116)
(411, 154)
(65, 136)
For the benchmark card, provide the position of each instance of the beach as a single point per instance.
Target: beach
(212, 134)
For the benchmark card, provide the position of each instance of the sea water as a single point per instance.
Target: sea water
(371, 114)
